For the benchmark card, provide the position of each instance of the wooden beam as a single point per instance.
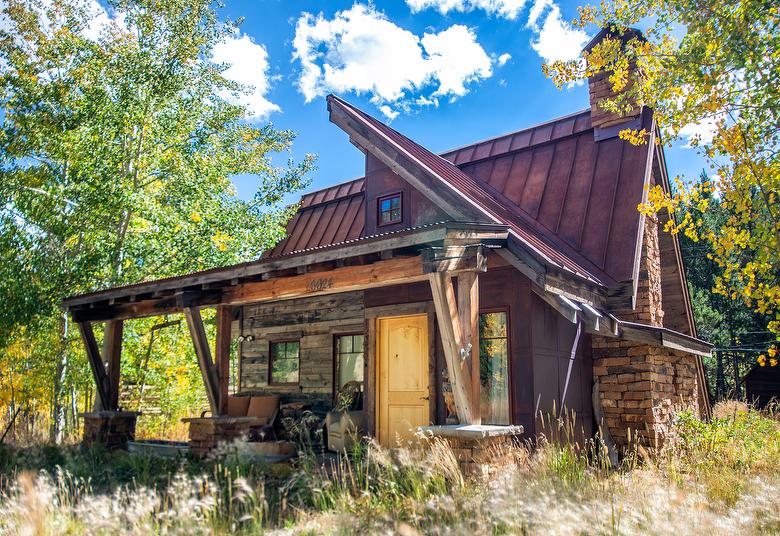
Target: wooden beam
(381, 273)
(473, 232)
(455, 259)
(202, 350)
(96, 364)
(468, 316)
(112, 353)
(458, 363)
(222, 350)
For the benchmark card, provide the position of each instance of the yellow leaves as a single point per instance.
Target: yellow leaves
(634, 137)
(196, 217)
(761, 360)
(221, 240)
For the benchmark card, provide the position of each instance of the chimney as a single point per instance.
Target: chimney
(608, 124)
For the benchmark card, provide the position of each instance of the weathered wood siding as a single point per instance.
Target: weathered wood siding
(315, 321)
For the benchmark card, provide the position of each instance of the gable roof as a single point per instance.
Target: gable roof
(569, 199)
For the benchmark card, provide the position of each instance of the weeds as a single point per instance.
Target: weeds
(710, 478)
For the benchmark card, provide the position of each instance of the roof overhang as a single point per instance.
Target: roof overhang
(217, 286)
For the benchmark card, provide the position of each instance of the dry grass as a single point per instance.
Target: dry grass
(711, 478)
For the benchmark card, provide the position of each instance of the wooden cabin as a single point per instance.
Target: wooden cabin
(488, 286)
(762, 386)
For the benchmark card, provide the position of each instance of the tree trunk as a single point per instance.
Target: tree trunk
(60, 373)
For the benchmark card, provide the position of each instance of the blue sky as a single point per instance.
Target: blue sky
(513, 95)
(443, 72)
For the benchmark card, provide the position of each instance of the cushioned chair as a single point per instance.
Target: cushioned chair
(263, 408)
(344, 428)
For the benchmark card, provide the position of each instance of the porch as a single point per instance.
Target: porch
(304, 330)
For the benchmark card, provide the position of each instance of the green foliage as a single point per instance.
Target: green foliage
(721, 454)
(116, 154)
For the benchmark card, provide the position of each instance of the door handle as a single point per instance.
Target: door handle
(424, 398)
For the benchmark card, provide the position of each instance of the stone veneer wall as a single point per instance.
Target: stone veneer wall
(640, 384)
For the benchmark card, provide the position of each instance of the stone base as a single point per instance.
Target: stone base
(112, 429)
(479, 449)
(208, 432)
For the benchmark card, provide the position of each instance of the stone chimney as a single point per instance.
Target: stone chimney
(600, 88)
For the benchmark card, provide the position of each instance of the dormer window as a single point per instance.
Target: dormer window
(389, 209)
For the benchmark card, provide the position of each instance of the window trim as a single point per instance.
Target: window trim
(335, 378)
(504, 309)
(400, 195)
(271, 343)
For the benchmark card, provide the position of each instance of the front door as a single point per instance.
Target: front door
(402, 355)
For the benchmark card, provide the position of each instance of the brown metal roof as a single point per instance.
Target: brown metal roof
(584, 192)
(569, 198)
(598, 180)
(329, 216)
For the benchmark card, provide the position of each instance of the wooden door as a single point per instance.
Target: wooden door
(403, 386)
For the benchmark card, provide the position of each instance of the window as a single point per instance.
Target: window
(494, 367)
(389, 209)
(349, 359)
(284, 362)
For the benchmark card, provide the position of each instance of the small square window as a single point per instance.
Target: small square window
(284, 362)
(389, 209)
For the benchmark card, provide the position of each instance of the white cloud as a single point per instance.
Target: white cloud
(389, 112)
(508, 9)
(247, 64)
(503, 58)
(361, 50)
(699, 133)
(555, 39)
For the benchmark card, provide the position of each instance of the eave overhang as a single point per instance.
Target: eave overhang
(213, 287)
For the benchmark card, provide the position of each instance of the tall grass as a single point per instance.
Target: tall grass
(721, 477)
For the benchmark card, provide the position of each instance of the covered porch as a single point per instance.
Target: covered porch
(300, 308)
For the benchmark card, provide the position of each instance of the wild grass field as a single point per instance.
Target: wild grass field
(720, 477)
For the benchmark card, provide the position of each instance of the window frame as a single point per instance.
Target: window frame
(271, 362)
(400, 195)
(335, 381)
(504, 309)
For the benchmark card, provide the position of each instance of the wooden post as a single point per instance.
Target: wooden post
(202, 350)
(96, 364)
(222, 349)
(468, 315)
(112, 353)
(458, 364)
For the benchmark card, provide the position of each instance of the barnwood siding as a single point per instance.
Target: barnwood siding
(316, 321)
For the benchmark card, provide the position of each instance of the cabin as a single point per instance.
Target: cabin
(762, 386)
(470, 294)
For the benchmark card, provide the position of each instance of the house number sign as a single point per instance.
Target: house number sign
(322, 283)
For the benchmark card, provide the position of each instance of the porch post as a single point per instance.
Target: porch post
(468, 313)
(222, 348)
(112, 353)
(455, 352)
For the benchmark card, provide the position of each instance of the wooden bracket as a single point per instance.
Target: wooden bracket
(455, 259)
(96, 364)
(202, 350)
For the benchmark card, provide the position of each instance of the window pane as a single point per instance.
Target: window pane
(349, 359)
(390, 209)
(284, 362)
(494, 368)
(492, 325)
(358, 343)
